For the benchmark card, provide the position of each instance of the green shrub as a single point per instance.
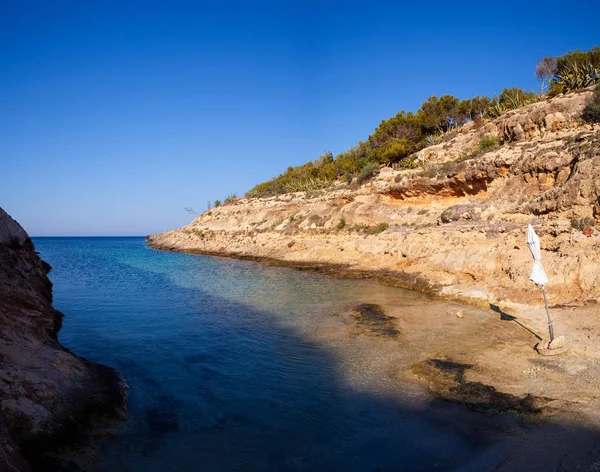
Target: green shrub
(324, 159)
(366, 172)
(408, 163)
(342, 224)
(489, 142)
(277, 222)
(591, 113)
(510, 99)
(309, 184)
(582, 223)
(217, 203)
(555, 90)
(575, 70)
(399, 137)
(232, 197)
(378, 228)
(576, 76)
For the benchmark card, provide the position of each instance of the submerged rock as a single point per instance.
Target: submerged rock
(371, 320)
(448, 379)
(53, 403)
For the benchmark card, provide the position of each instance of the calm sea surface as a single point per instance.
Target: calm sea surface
(234, 366)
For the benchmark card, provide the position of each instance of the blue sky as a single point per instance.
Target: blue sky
(114, 116)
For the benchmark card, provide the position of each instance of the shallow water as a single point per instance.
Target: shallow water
(235, 366)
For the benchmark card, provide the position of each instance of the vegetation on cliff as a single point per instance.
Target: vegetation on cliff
(591, 112)
(398, 139)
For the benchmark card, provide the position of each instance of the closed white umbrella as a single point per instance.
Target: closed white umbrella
(538, 274)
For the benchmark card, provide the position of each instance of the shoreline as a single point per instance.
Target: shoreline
(492, 368)
(387, 277)
(456, 230)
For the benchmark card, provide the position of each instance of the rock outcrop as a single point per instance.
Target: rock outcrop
(52, 401)
(456, 227)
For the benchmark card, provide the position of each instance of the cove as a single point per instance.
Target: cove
(235, 366)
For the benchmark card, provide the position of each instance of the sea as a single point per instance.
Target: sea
(237, 366)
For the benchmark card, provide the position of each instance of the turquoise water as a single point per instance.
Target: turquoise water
(235, 366)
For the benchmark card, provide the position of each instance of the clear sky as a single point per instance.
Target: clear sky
(114, 116)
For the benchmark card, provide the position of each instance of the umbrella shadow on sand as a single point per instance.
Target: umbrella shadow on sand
(506, 317)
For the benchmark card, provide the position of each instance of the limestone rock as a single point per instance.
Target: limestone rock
(456, 226)
(46, 392)
(557, 343)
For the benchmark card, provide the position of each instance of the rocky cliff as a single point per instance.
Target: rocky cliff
(52, 402)
(456, 226)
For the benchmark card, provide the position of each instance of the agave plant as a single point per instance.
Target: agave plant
(510, 99)
(577, 76)
(307, 184)
(434, 138)
(594, 75)
(495, 108)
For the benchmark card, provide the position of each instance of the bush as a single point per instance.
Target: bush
(555, 90)
(510, 99)
(399, 137)
(217, 203)
(324, 159)
(367, 172)
(377, 229)
(582, 223)
(408, 163)
(342, 224)
(577, 76)
(232, 197)
(489, 142)
(591, 112)
(575, 70)
(277, 222)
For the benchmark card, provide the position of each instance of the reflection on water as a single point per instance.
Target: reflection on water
(237, 366)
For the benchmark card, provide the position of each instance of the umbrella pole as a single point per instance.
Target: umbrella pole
(548, 313)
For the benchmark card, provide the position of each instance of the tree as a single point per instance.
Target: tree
(439, 113)
(324, 159)
(545, 70)
(465, 111)
(479, 105)
(393, 151)
(402, 126)
(579, 58)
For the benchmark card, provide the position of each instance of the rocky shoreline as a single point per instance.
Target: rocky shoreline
(456, 229)
(54, 405)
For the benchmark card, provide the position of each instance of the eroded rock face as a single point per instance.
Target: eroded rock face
(50, 398)
(457, 227)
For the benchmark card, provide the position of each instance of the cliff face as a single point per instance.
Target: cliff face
(49, 397)
(456, 227)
